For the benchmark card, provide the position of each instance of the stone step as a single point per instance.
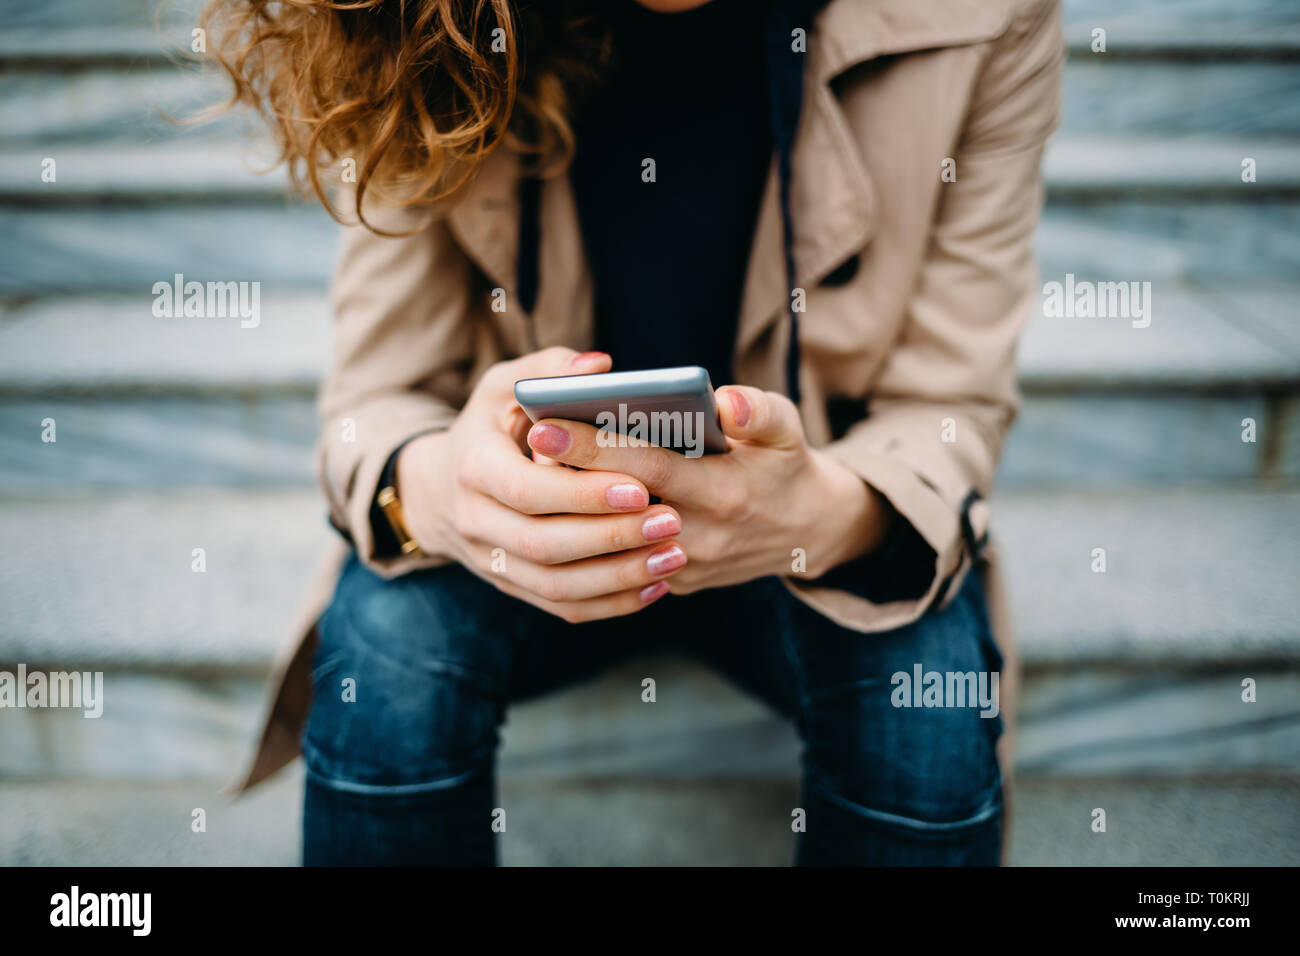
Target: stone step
(140, 401)
(1250, 821)
(190, 167)
(145, 103)
(1073, 721)
(1137, 670)
(53, 110)
(86, 248)
(1198, 337)
(1093, 441)
(1202, 18)
(1104, 441)
(113, 343)
(1079, 441)
(1235, 337)
(1180, 822)
(1113, 165)
(183, 169)
(131, 442)
(74, 31)
(1196, 578)
(121, 249)
(128, 47)
(1109, 95)
(1161, 238)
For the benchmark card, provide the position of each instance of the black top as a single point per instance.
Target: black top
(668, 257)
(705, 95)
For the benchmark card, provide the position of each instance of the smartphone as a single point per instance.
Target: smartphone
(669, 407)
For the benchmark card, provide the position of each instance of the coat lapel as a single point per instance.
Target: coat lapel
(833, 197)
(850, 32)
(485, 218)
(485, 222)
(832, 194)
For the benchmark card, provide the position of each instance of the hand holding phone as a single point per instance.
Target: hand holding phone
(581, 545)
(673, 408)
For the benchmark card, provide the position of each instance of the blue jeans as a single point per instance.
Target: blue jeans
(403, 771)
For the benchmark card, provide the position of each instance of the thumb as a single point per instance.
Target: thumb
(495, 392)
(759, 417)
(557, 360)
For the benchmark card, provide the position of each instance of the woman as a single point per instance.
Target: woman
(830, 205)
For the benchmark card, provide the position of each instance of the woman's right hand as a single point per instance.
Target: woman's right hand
(581, 545)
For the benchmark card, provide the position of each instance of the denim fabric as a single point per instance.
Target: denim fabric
(404, 774)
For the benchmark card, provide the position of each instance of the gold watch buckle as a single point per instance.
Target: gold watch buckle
(392, 508)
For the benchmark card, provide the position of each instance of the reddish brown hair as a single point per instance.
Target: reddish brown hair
(416, 92)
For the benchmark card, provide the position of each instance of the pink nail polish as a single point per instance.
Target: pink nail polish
(548, 439)
(661, 526)
(653, 592)
(626, 497)
(584, 358)
(668, 559)
(739, 407)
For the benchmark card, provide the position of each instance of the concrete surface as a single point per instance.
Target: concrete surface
(1130, 440)
(1073, 722)
(1238, 335)
(1194, 577)
(601, 823)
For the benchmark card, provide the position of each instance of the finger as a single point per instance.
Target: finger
(512, 419)
(593, 577)
(500, 472)
(556, 360)
(558, 539)
(758, 417)
(666, 473)
(595, 609)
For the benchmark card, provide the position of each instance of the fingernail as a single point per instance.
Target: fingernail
(739, 407)
(661, 526)
(548, 439)
(626, 497)
(584, 358)
(653, 592)
(669, 559)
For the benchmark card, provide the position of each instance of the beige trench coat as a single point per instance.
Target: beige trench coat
(917, 158)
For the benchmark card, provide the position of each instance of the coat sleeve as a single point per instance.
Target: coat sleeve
(403, 349)
(947, 393)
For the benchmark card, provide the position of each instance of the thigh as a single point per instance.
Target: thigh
(410, 679)
(413, 674)
(902, 774)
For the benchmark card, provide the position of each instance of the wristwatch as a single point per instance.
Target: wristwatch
(392, 507)
(391, 534)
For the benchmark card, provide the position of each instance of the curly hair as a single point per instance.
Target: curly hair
(415, 92)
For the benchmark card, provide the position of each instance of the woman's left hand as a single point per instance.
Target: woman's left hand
(772, 505)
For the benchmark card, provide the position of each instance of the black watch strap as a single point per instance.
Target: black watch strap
(387, 544)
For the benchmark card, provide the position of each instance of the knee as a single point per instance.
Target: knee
(879, 744)
(921, 769)
(409, 683)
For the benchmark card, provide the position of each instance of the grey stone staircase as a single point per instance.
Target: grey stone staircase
(176, 434)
